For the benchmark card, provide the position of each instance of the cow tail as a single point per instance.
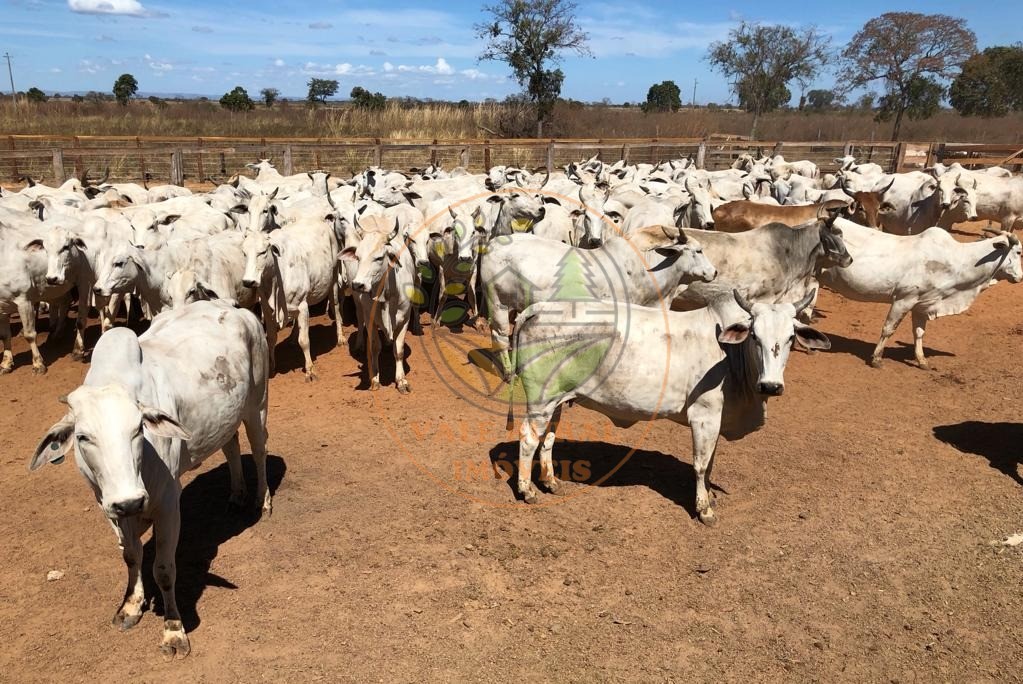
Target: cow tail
(520, 322)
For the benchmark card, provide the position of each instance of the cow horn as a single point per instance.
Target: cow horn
(886, 188)
(544, 184)
(805, 301)
(330, 200)
(845, 187)
(743, 303)
(106, 175)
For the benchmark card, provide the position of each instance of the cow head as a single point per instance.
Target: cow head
(263, 212)
(260, 253)
(1007, 248)
(668, 247)
(699, 213)
(517, 212)
(185, 287)
(462, 235)
(62, 248)
(375, 254)
(867, 206)
(832, 248)
(118, 270)
(954, 192)
(771, 331)
(588, 224)
(110, 433)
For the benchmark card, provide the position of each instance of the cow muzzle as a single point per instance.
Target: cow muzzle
(125, 508)
(771, 389)
(360, 286)
(54, 280)
(251, 284)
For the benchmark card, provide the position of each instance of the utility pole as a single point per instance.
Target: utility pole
(695, 81)
(14, 93)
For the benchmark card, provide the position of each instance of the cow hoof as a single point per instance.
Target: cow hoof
(875, 362)
(125, 620)
(4, 370)
(924, 365)
(404, 387)
(374, 385)
(236, 502)
(175, 641)
(530, 495)
(39, 370)
(268, 507)
(78, 356)
(553, 485)
(709, 518)
(311, 377)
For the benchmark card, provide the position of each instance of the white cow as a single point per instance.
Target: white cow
(929, 275)
(152, 408)
(712, 369)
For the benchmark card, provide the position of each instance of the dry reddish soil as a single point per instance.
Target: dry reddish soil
(854, 542)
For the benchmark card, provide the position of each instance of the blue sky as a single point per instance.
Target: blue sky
(422, 49)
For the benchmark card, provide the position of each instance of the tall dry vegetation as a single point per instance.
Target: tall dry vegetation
(452, 122)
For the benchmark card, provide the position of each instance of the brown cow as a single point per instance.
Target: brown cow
(867, 206)
(742, 215)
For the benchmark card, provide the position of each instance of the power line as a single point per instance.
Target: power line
(14, 93)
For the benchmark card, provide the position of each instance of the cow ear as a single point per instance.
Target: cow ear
(347, 254)
(238, 209)
(812, 339)
(169, 219)
(393, 257)
(494, 199)
(886, 208)
(162, 424)
(275, 249)
(1000, 243)
(736, 333)
(78, 242)
(55, 444)
(551, 200)
(206, 292)
(34, 246)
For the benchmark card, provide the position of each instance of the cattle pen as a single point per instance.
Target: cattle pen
(197, 159)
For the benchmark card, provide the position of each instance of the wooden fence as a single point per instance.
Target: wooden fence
(53, 159)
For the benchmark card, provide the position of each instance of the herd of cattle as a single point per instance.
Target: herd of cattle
(717, 271)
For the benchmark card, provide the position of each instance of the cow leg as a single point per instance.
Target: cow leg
(233, 453)
(442, 297)
(399, 360)
(529, 439)
(255, 430)
(335, 302)
(303, 339)
(270, 325)
(919, 328)
(547, 477)
(6, 355)
(129, 539)
(895, 316)
(166, 529)
(58, 316)
(81, 322)
(359, 343)
(500, 339)
(26, 311)
(372, 354)
(470, 296)
(705, 438)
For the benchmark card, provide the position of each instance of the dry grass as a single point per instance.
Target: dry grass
(450, 122)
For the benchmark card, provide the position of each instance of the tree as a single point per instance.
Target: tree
(920, 101)
(125, 88)
(237, 100)
(364, 99)
(761, 60)
(320, 89)
(991, 83)
(866, 102)
(269, 95)
(901, 48)
(663, 97)
(820, 100)
(531, 36)
(35, 95)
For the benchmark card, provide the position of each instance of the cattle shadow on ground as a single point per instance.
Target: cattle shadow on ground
(900, 352)
(663, 473)
(999, 443)
(385, 359)
(322, 339)
(207, 522)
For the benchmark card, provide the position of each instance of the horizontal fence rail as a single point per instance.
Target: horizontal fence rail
(54, 159)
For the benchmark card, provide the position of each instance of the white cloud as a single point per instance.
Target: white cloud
(441, 68)
(55, 70)
(342, 69)
(158, 64)
(131, 8)
(278, 62)
(388, 66)
(87, 66)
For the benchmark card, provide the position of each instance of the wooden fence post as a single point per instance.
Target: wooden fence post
(177, 171)
(486, 156)
(14, 162)
(288, 169)
(701, 155)
(433, 153)
(463, 158)
(625, 153)
(378, 154)
(847, 150)
(58, 166)
(550, 156)
(777, 148)
(199, 163)
(899, 157)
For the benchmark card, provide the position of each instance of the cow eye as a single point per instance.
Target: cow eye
(82, 439)
(379, 258)
(263, 252)
(118, 264)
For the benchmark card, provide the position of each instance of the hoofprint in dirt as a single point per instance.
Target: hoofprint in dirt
(854, 541)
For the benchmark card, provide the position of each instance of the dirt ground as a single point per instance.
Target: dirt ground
(854, 542)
